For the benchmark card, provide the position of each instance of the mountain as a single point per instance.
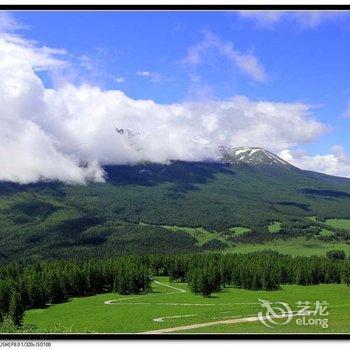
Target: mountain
(251, 156)
(147, 207)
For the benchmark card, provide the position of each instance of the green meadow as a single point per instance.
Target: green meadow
(299, 246)
(166, 307)
(339, 223)
(199, 233)
(239, 230)
(274, 227)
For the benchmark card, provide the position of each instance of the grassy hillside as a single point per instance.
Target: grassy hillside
(183, 206)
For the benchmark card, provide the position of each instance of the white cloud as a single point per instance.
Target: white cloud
(262, 18)
(8, 23)
(346, 113)
(86, 62)
(120, 79)
(144, 73)
(27, 52)
(244, 62)
(337, 162)
(14, 47)
(313, 19)
(304, 19)
(28, 154)
(70, 132)
(153, 76)
(48, 133)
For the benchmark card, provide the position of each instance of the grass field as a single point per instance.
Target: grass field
(339, 223)
(343, 224)
(326, 233)
(239, 230)
(168, 307)
(299, 246)
(202, 235)
(295, 247)
(274, 227)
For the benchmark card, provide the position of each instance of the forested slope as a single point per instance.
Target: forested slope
(56, 219)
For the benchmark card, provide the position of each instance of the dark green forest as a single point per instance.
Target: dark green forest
(126, 214)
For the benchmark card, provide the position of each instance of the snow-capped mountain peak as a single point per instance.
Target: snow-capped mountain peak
(251, 156)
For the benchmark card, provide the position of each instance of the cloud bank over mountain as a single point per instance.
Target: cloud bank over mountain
(336, 163)
(69, 133)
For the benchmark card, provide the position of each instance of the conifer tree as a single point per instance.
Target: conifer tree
(16, 308)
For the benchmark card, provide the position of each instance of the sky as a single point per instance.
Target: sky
(80, 90)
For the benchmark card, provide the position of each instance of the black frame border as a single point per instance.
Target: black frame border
(23, 337)
(172, 7)
(190, 336)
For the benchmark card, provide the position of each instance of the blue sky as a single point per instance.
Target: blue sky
(176, 57)
(302, 63)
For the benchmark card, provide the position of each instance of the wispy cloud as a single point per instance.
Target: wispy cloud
(346, 113)
(222, 49)
(15, 46)
(85, 62)
(144, 73)
(120, 79)
(153, 76)
(39, 57)
(9, 23)
(303, 19)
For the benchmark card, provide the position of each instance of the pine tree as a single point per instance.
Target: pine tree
(346, 273)
(36, 293)
(5, 295)
(16, 308)
(7, 325)
(55, 288)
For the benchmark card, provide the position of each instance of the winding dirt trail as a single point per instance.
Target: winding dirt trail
(178, 290)
(213, 323)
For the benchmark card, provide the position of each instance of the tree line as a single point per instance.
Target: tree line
(267, 270)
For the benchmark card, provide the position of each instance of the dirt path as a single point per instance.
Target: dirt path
(113, 301)
(213, 323)
(167, 285)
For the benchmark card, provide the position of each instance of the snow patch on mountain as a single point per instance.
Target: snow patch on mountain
(251, 156)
